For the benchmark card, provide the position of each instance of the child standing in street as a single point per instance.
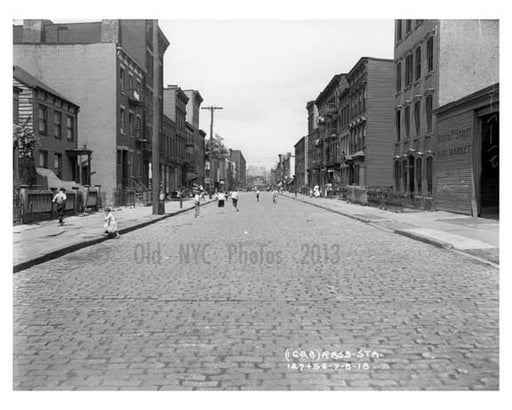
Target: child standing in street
(111, 224)
(258, 195)
(197, 203)
(234, 198)
(274, 196)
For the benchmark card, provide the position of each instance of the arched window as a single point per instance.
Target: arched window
(398, 124)
(428, 112)
(404, 175)
(397, 176)
(429, 174)
(417, 122)
(430, 54)
(418, 63)
(418, 169)
(407, 122)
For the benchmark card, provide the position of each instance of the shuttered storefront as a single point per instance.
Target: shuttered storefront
(453, 182)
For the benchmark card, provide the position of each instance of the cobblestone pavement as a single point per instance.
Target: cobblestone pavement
(275, 297)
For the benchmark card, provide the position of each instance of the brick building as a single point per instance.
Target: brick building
(53, 120)
(366, 123)
(106, 67)
(175, 108)
(238, 169)
(196, 138)
(300, 163)
(328, 120)
(438, 62)
(350, 127)
(313, 161)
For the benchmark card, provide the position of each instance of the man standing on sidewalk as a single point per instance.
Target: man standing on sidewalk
(60, 199)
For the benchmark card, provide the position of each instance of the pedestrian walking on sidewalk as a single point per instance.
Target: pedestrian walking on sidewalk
(257, 195)
(234, 198)
(60, 199)
(111, 224)
(197, 203)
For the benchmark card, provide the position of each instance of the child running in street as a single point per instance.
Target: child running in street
(197, 203)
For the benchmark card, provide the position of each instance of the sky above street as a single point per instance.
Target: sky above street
(263, 72)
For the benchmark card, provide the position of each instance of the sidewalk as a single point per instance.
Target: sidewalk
(476, 237)
(39, 242)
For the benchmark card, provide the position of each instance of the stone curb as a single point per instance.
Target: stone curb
(84, 244)
(411, 235)
(422, 238)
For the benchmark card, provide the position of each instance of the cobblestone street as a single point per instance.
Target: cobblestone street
(274, 297)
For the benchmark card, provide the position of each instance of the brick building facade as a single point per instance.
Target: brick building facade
(106, 67)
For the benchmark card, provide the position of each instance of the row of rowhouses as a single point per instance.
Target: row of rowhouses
(423, 127)
(105, 70)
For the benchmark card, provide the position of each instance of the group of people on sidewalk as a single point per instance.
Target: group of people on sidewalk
(110, 226)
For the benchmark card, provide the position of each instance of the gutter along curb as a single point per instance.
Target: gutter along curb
(89, 242)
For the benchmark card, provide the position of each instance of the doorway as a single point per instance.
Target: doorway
(490, 175)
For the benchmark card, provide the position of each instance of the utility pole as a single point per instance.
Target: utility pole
(212, 109)
(155, 140)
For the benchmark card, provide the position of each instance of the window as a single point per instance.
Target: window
(57, 164)
(398, 77)
(430, 54)
(417, 124)
(70, 127)
(140, 129)
(57, 124)
(429, 175)
(404, 176)
(398, 30)
(407, 122)
(43, 119)
(398, 124)
(121, 79)
(398, 176)
(131, 129)
(408, 70)
(43, 159)
(418, 176)
(418, 63)
(122, 120)
(428, 111)
(130, 82)
(408, 26)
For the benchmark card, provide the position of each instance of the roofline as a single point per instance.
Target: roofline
(46, 87)
(366, 58)
(197, 93)
(492, 89)
(298, 142)
(328, 87)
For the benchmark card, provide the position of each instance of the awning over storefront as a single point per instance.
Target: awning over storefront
(191, 176)
(357, 155)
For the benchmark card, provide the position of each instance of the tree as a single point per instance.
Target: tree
(24, 142)
(219, 149)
